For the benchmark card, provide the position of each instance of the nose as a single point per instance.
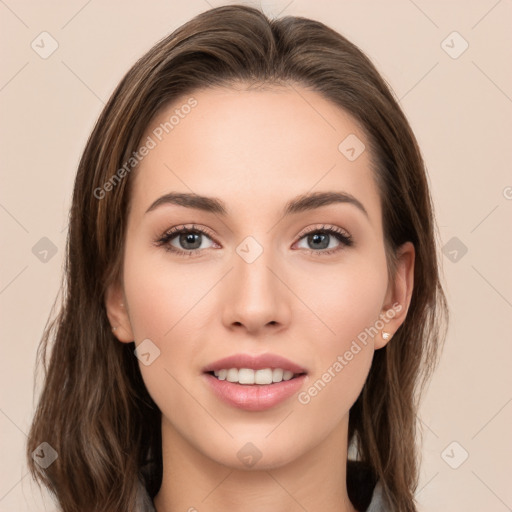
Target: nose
(257, 300)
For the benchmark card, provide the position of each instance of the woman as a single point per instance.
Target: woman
(252, 301)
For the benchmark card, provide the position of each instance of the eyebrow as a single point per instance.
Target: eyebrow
(301, 203)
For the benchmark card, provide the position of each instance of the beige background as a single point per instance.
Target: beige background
(460, 109)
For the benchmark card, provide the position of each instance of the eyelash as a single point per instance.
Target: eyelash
(341, 236)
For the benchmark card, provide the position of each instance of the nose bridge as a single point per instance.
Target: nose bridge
(256, 295)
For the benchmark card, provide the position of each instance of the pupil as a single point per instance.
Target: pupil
(322, 238)
(188, 238)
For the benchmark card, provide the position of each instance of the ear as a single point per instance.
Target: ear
(115, 304)
(398, 295)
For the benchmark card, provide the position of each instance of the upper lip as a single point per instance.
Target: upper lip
(256, 362)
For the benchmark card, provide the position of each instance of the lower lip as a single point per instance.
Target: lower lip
(254, 397)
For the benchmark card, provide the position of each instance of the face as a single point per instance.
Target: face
(263, 271)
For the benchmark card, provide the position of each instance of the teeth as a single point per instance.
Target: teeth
(249, 376)
(277, 374)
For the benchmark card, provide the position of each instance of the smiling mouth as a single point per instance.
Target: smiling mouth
(250, 377)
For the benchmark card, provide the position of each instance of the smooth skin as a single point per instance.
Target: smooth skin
(255, 150)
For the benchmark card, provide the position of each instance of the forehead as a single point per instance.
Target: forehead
(255, 149)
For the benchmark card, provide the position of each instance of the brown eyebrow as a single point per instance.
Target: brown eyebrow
(299, 204)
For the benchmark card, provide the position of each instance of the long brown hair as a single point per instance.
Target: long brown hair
(94, 409)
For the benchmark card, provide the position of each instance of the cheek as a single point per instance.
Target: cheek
(170, 304)
(164, 305)
(162, 297)
(345, 301)
(342, 364)
(348, 304)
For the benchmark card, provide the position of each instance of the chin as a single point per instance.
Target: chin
(257, 453)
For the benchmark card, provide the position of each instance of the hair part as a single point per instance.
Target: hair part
(94, 409)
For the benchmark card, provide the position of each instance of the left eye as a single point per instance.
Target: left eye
(320, 238)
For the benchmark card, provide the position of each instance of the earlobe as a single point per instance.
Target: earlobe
(386, 336)
(118, 314)
(398, 296)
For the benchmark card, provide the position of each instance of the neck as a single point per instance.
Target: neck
(195, 482)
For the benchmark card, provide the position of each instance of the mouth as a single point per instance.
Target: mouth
(254, 397)
(254, 382)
